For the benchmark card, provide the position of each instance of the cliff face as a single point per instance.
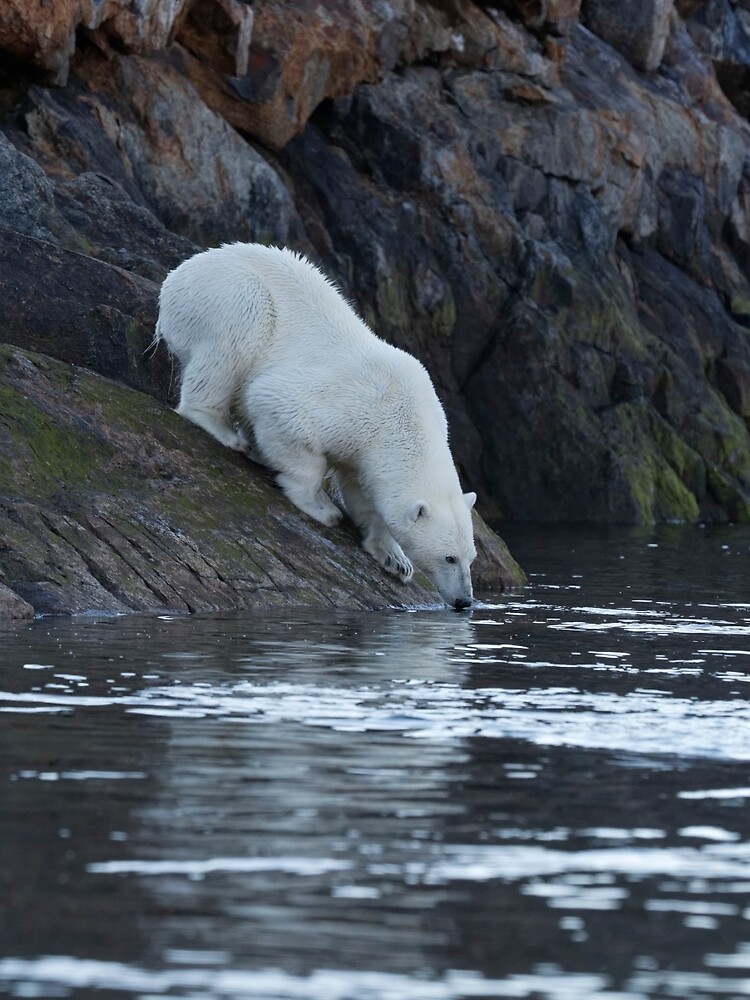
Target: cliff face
(547, 201)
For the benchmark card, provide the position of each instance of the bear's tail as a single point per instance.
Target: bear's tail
(157, 338)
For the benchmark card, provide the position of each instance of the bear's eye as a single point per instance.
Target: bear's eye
(451, 559)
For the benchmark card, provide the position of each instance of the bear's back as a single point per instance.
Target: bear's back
(256, 309)
(311, 316)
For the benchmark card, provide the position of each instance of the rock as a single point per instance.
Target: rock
(90, 213)
(557, 16)
(145, 26)
(732, 377)
(45, 34)
(40, 34)
(12, 606)
(117, 504)
(211, 186)
(494, 569)
(640, 34)
(27, 194)
(109, 225)
(199, 178)
(721, 30)
(92, 314)
(682, 235)
(490, 247)
(202, 179)
(299, 58)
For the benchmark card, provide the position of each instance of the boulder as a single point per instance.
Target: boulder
(638, 31)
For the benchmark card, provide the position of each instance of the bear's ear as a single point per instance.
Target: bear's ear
(470, 499)
(420, 508)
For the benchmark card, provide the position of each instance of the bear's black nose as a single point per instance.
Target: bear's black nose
(461, 604)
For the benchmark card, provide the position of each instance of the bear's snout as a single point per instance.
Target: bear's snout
(461, 604)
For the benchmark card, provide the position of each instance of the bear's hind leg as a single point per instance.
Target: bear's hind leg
(300, 474)
(377, 540)
(205, 395)
(303, 484)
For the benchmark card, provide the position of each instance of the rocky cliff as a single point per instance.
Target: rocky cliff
(548, 201)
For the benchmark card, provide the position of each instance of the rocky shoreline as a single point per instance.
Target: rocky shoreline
(547, 201)
(120, 505)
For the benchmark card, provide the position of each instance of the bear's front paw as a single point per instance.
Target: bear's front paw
(391, 557)
(400, 567)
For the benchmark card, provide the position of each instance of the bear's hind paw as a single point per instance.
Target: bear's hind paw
(330, 518)
(327, 516)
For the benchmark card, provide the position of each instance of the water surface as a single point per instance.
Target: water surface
(548, 797)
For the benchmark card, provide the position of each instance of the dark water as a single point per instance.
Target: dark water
(547, 798)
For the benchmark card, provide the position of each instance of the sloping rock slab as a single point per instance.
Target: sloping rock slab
(111, 502)
(13, 606)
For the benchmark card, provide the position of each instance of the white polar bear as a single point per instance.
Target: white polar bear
(262, 333)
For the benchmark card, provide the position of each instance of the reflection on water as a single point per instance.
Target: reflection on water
(546, 798)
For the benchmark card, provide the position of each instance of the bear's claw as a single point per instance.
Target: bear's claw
(405, 570)
(391, 557)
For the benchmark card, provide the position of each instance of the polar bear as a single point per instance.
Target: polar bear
(262, 334)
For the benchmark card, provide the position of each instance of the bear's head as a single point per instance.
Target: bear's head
(439, 540)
